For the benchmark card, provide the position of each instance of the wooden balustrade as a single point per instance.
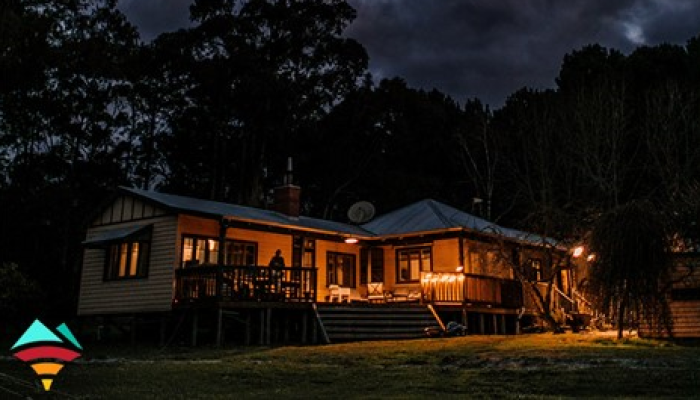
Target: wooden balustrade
(252, 283)
(456, 287)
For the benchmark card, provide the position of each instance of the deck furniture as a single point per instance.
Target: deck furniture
(403, 294)
(344, 294)
(375, 292)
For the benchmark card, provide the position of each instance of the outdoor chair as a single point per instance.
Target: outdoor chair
(334, 293)
(375, 292)
(344, 294)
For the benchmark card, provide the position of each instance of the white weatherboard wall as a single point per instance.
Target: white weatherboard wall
(151, 294)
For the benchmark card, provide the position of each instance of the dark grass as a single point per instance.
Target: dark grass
(528, 366)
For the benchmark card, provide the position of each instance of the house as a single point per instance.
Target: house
(155, 256)
(683, 297)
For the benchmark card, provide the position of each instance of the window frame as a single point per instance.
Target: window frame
(333, 274)
(303, 252)
(375, 268)
(208, 251)
(246, 245)
(115, 254)
(419, 250)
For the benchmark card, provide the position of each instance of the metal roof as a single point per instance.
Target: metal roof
(430, 215)
(423, 216)
(114, 234)
(234, 211)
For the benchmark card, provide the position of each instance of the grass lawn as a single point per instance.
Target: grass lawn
(526, 366)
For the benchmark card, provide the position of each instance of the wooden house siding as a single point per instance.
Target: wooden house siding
(446, 255)
(444, 252)
(684, 300)
(389, 266)
(323, 247)
(150, 294)
(686, 319)
(268, 242)
(483, 259)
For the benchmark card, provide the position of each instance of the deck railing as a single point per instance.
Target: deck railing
(456, 287)
(250, 283)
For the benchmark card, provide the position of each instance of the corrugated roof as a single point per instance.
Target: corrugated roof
(430, 215)
(423, 216)
(234, 211)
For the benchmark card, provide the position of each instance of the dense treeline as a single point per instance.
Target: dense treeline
(214, 111)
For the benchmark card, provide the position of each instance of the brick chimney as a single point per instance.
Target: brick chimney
(287, 197)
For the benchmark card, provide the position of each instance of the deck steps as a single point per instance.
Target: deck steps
(374, 322)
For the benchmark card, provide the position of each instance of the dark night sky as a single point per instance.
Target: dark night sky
(480, 48)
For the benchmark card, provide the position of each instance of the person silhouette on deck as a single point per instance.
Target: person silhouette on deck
(276, 264)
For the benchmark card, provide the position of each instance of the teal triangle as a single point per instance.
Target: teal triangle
(63, 328)
(37, 332)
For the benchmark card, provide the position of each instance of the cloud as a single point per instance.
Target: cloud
(664, 21)
(489, 49)
(479, 48)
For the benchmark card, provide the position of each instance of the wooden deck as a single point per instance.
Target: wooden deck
(292, 284)
(245, 284)
(452, 288)
(267, 306)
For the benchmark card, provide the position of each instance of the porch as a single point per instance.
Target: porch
(245, 284)
(295, 284)
(271, 303)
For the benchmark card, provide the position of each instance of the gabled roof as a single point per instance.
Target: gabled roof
(430, 215)
(233, 211)
(424, 216)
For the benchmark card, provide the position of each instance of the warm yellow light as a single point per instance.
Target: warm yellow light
(460, 268)
(590, 258)
(578, 251)
(351, 240)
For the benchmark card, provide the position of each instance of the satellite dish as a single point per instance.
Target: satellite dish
(361, 212)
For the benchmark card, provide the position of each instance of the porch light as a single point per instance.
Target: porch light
(351, 240)
(460, 268)
(578, 251)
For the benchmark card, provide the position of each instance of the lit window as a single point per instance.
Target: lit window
(128, 259)
(340, 269)
(410, 263)
(205, 251)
